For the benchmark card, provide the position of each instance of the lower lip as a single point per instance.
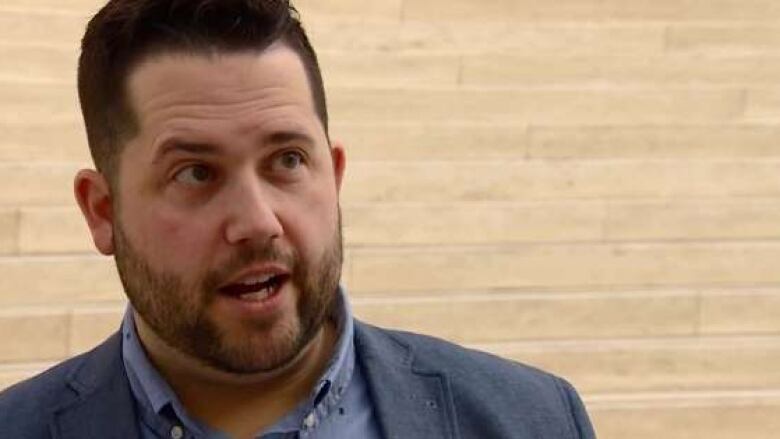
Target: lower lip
(266, 307)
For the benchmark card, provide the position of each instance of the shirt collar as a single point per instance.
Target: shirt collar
(148, 386)
(333, 382)
(153, 392)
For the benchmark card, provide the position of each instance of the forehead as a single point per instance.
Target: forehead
(168, 83)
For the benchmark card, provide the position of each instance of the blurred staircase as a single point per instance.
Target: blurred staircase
(589, 186)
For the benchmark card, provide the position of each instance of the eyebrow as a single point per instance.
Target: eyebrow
(173, 145)
(279, 137)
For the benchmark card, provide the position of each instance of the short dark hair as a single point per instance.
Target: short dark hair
(124, 32)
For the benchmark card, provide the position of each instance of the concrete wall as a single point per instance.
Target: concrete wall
(590, 186)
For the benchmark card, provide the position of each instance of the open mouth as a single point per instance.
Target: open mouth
(255, 289)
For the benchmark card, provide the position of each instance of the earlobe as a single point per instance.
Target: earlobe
(93, 195)
(339, 162)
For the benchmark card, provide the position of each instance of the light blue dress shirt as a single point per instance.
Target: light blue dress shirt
(339, 407)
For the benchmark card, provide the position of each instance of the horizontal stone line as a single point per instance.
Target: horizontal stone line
(440, 53)
(465, 51)
(74, 117)
(503, 124)
(609, 201)
(513, 297)
(649, 199)
(52, 258)
(512, 248)
(32, 10)
(649, 126)
(673, 56)
(434, 123)
(24, 311)
(65, 164)
(69, 254)
(707, 342)
(65, 47)
(351, 89)
(436, 52)
(515, 243)
(33, 254)
(411, 298)
(391, 297)
(33, 205)
(562, 125)
(686, 399)
(584, 83)
(543, 290)
(562, 88)
(69, 305)
(65, 307)
(502, 161)
(33, 81)
(24, 366)
(359, 250)
(705, 291)
(728, 24)
(656, 25)
(768, 199)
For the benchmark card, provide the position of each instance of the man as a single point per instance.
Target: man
(216, 191)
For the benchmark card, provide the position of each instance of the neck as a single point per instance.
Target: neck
(240, 405)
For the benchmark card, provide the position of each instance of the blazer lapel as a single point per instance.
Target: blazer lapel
(102, 405)
(410, 402)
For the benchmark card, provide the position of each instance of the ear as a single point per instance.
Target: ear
(339, 162)
(93, 194)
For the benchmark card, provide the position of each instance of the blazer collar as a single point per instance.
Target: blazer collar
(101, 404)
(410, 400)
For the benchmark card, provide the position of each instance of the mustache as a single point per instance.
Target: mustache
(248, 255)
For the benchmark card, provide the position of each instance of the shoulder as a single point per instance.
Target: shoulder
(458, 361)
(26, 407)
(490, 386)
(466, 365)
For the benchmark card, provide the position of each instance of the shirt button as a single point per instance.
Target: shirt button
(309, 422)
(177, 432)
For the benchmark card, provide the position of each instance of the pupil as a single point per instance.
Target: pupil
(200, 173)
(291, 160)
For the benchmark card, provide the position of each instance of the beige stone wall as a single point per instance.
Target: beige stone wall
(590, 186)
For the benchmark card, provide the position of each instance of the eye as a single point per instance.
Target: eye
(194, 175)
(290, 160)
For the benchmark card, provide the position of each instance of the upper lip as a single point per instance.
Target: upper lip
(258, 272)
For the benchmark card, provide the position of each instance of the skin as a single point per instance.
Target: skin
(231, 174)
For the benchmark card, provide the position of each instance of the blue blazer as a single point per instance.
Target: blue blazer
(421, 387)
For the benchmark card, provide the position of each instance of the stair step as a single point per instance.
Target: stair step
(713, 415)
(416, 269)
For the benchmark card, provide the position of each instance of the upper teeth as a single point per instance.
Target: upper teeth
(258, 279)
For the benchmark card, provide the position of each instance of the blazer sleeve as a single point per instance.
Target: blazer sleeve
(582, 427)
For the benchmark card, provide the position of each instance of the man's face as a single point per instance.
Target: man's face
(226, 228)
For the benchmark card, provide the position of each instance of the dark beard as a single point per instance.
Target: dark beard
(176, 312)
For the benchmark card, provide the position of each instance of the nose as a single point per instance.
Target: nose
(251, 214)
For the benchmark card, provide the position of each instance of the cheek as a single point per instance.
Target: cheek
(175, 239)
(315, 221)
